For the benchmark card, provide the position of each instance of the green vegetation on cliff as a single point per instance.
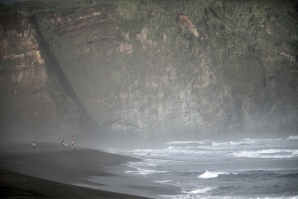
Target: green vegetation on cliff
(144, 56)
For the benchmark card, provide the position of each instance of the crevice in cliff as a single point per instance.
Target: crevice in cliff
(52, 62)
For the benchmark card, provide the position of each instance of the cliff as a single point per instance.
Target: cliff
(149, 69)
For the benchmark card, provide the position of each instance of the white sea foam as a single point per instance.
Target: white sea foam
(108, 150)
(251, 139)
(260, 140)
(164, 181)
(148, 152)
(221, 197)
(277, 151)
(197, 193)
(180, 196)
(181, 164)
(282, 197)
(246, 141)
(200, 190)
(219, 143)
(182, 151)
(223, 145)
(268, 169)
(144, 171)
(211, 174)
(143, 150)
(293, 137)
(171, 147)
(187, 142)
(266, 153)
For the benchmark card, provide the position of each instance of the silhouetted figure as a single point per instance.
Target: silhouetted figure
(33, 146)
(72, 143)
(63, 143)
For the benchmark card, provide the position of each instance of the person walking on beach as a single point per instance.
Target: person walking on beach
(33, 146)
(62, 143)
(72, 143)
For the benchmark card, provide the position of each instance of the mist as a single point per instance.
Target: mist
(163, 99)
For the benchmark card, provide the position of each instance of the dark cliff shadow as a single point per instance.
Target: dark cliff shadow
(87, 123)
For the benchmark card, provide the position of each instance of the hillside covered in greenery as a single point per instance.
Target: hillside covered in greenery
(155, 68)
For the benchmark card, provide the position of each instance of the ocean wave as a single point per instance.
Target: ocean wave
(268, 169)
(144, 171)
(107, 150)
(225, 143)
(143, 150)
(248, 141)
(282, 197)
(163, 181)
(211, 174)
(175, 151)
(293, 137)
(277, 151)
(245, 141)
(188, 142)
(197, 193)
(171, 147)
(200, 190)
(267, 153)
(190, 196)
(262, 140)
(180, 196)
(148, 152)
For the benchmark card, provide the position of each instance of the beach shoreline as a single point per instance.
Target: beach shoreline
(81, 169)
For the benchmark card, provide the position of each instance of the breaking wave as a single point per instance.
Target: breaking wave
(293, 137)
(267, 153)
(145, 171)
(211, 174)
(235, 168)
(200, 190)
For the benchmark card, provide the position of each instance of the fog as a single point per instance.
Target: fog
(164, 99)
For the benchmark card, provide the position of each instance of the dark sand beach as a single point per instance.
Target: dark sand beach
(53, 171)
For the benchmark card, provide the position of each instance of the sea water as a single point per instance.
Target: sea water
(247, 168)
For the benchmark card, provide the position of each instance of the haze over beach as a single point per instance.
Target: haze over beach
(149, 99)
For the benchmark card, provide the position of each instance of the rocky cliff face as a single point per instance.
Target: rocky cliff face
(32, 104)
(153, 69)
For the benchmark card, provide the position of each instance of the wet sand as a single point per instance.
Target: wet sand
(22, 186)
(53, 171)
